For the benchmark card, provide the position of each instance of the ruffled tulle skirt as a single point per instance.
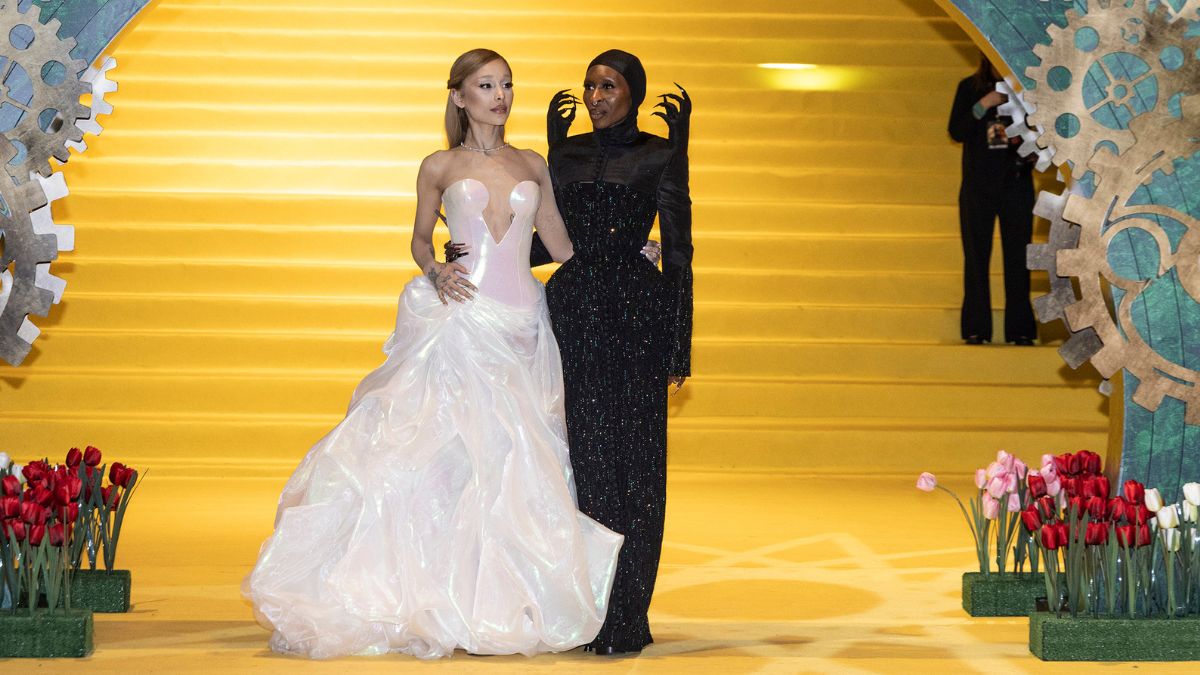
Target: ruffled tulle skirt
(441, 512)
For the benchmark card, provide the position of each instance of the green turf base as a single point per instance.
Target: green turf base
(1086, 639)
(1001, 594)
(46, 634)
(101, 591)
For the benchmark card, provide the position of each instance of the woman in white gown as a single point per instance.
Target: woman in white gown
(440, 514)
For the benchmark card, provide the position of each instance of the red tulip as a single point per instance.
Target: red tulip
(36, 534)
(10, 507)
(1031, 519)
(1096, 508)
(109, 493)
(74, 457)
(1075, 505)
(1062, 534)
(1037, 486)
(1090, 461)
(32, 513)
(10, 486)
(75, 483)
(1102, 486)
(69, 513)
(1139, 514)
(1143, 535)
(41, 495)
(121, 475)
(1049, 535)
(35, 472)
(1118, 509)
(1126, 535)
(56, 535)
(16, 528)
(91, 456)
(1070, 485)
(1062, 464)
(1134, 491)
(1047, 506)
(62, 494)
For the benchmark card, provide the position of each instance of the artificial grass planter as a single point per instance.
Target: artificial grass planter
(101, 591)
(1084, 638)
(1001, 594)
(63, 633)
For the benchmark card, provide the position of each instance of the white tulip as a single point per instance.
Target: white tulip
(1171, 539)
(18, 470)
(5, 461)
(1191, 512)
(1168, 517)
(1154, 500)
(1191, 492)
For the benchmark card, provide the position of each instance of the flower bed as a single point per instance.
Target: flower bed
(52, 519)
(1085, 638)
(1001, 594)
(103, 591)
(44, 634)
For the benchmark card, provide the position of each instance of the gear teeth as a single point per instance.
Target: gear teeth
(1080, 347)
(1108, 360)
(1149, 393)
(102, 85)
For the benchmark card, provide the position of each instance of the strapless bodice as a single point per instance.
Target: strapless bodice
(499, 269)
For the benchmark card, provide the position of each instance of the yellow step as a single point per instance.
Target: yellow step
(326, 391)
(110, 211)
(331, 147)
(835, 445)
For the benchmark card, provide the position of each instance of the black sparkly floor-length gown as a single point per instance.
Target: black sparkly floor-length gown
(622, 327)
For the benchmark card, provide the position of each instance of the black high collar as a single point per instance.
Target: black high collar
(622, 133)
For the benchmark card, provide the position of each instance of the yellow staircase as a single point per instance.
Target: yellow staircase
(243, 224)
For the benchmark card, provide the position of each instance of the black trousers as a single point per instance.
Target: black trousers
(1011, 199)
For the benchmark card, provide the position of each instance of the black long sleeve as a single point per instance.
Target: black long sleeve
(675, 224)
(964, 126)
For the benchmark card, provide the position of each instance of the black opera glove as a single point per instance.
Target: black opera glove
(677, 113)
(454, 251)
(559, 117)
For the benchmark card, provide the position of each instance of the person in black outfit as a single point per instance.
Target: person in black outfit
(996, 181)
(623, 327)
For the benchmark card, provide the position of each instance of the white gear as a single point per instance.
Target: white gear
(101, 85)
(1018, 109)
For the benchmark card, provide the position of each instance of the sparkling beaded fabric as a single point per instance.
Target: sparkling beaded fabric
(623, 327)
(440, 513)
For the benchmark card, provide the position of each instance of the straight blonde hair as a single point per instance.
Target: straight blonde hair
(464, 66)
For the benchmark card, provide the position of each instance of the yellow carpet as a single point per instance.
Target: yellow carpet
(760, 574)
(242, 230)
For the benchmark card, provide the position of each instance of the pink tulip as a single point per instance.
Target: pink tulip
(991, 507)
(1053, 487)
(1014, 503)
(1020, 469)
(1047, 460)
(995, 469)
(981, 478)
(1004, 459)
(997, 487)
(1010, 482)
(926, 482)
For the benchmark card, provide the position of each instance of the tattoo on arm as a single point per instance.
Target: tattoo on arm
(432, 272)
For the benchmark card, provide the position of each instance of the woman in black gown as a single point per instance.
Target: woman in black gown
(623, 327)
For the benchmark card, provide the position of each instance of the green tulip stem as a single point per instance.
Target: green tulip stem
(978, 531)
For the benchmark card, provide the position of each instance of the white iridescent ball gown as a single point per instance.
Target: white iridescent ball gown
(440, 514)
